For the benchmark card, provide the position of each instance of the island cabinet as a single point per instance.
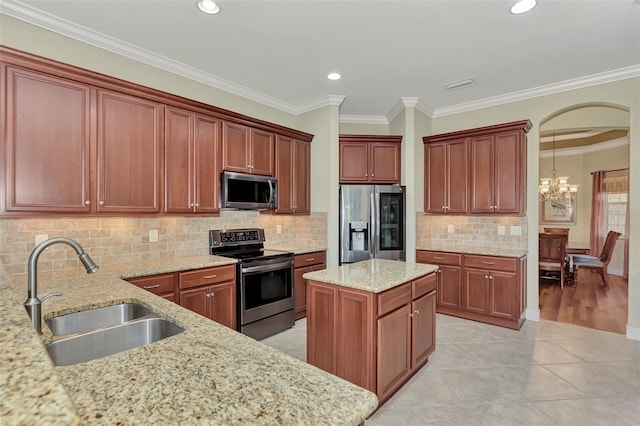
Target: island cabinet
(162, 284)
(210, 292)
(446, 173)
(375, 340)
(293, 171)
(303, 263)
(370, 159)
(488, 289)
(192, 150)
(495, 157)
(247, 150)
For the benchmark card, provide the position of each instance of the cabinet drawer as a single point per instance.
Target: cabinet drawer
(156, 284)
(307, 259)
(207, 276)
(438, 258)
(491, 262)
(424, 285)
(393, 298)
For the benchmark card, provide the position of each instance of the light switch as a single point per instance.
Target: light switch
(516, 230)
(153, 235)
(501, 230)
(450, 229)
(278, 229)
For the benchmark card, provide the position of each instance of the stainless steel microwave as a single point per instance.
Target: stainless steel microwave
(249, 192)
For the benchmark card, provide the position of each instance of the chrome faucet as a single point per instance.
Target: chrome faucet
(33, 304)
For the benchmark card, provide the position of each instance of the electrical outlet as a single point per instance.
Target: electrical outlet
(501, 230)
(41, 237)
(278, 229)
(153, 235)
(516, 230)
(450, 229)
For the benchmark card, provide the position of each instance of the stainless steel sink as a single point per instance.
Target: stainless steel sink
(102, 342)
(108, 316)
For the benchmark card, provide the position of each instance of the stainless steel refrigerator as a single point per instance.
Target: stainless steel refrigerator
(372, 222)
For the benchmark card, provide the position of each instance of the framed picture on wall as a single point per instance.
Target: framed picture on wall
(558, 212)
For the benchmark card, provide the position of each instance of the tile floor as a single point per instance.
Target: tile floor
(547, 373)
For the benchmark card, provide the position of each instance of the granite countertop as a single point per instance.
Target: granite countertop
(487, 251)
(296, 249)
(208, 374)
(375, 275)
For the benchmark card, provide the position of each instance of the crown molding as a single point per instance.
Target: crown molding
(576, 83)
(364, 119)
(586, 149)
(49, 22)
(330, 100)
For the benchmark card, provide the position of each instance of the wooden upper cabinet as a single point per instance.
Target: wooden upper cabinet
(370, 159)
(445, 168)
(128, 146)
(293, 160)
(247, 150)
(191, 151)
(46, 143)
(495, 157)
(302, 177)
(284, 173)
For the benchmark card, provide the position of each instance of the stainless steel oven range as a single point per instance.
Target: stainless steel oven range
(264, 280)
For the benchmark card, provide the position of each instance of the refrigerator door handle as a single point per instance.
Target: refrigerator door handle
(373, 228)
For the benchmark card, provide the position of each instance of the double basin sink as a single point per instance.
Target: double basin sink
(96, 333)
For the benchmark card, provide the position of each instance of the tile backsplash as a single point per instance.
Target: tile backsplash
(476, 231)
(117, 239)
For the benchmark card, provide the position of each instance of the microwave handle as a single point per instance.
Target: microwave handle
(270, 191)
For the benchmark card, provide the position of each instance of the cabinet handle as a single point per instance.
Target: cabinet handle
(87, 203)
(101, 203)
(311, 259)
(417, 312)
(438, 257)
(209, 276)
(147, 287)
(487, 262)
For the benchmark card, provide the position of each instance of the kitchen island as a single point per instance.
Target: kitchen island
(208, 374)
(372, 322)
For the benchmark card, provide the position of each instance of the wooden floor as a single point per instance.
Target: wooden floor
(588, 304)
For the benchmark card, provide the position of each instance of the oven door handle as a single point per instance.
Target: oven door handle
(267, 268)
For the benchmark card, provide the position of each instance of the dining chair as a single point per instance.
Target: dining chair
(551, 255)
(599, 263)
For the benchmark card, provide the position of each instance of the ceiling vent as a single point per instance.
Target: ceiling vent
(460, 84)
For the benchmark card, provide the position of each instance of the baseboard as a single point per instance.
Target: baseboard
(633, 333)
(532, 314)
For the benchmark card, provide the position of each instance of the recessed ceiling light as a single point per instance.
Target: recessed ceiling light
(208, 6)
(334, 76)
(454, 85)
(523, 6)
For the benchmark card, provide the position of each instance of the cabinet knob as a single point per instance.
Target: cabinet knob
(417, 312)
(87, 203)
(486, 276)
(212, 294)
(208, 295)
(101, 203)
(197, 205)
(411, 315)
(366, 174)
(490, 276)
(373, 174)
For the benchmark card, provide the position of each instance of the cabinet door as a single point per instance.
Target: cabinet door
(423, 331)
(128, 153)
(457, 177)
(235, 147)
(448, 294)
(476, 291)
(222, 299)
(284, 173)
(354, 162)
(196, 300)
(262, 152)
(503, 298)
(435, 169)
(46, 144)
(482, 175)
(206, 169)
(301, 177)
(300, 292)
(509, 178)
(321, 325)
(384, 163)
(394, 350)
(178, 161)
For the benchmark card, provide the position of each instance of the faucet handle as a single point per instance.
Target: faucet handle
(46, 296)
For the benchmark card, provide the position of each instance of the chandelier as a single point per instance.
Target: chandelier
(556, 189)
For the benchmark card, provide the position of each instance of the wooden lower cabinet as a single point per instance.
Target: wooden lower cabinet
(210, 292)
(376, 341)
(490, 289)
(302, 264)
(163, 285)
